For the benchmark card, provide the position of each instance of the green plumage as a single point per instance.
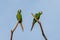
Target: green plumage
(19, 16)
(37, 15)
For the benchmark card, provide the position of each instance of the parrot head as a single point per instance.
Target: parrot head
(19, 11)
(40, 13)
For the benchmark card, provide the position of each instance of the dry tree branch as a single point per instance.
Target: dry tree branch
(11, 35)
(40, 27)
(42, 30)
(15, 26)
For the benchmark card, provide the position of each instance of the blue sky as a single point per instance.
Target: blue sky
(50, 19)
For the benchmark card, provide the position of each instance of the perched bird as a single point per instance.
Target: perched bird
(37, 15)
(19, 18)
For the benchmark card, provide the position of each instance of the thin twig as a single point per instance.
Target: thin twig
(40, 27)
(13, 30)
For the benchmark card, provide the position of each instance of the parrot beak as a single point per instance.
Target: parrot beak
(41, 12)
(20, 10)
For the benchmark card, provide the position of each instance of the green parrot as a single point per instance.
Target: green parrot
(19, 18)
(37, 15)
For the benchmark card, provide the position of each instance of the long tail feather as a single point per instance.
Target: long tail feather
(21, 26)
(32, 26)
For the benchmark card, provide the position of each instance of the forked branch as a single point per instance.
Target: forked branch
(11, 35)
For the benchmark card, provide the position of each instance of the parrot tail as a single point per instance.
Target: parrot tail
(21, 26)
(32, 26)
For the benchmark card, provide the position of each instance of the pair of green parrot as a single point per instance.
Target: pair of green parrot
(19, 18)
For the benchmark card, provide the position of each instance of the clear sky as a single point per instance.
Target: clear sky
(50, 19)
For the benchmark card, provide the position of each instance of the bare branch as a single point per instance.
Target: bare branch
(42, 30)
(40, 27)
(11, 35)
(15, 26)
